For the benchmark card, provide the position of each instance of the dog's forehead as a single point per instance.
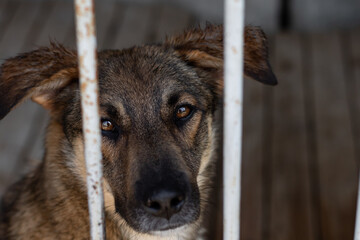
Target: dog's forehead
(146, 73)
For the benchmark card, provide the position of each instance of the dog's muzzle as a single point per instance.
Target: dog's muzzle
(162, 201)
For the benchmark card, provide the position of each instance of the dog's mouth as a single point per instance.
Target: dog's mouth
(169, 226)
(149, 224)
(163, 225)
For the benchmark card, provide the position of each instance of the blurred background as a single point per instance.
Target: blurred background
(301, 138)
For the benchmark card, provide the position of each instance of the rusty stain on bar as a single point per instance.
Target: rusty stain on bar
(86, 44)
(233, 108)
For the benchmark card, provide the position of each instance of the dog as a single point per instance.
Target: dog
(158, 105)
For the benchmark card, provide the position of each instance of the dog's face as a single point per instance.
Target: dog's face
(156, 117)
(157, 106)
(156, 120)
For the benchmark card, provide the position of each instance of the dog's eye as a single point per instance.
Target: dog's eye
(107, 125)
(183, 112)
(109, 129)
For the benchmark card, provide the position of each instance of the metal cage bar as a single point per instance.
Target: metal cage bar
(87, 54)
(357, 221)
(233, 108)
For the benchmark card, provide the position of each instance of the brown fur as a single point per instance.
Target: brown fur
(149, 150)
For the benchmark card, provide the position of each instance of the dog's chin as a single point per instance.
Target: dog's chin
(175, 231)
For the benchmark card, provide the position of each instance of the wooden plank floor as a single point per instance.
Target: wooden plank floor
(301, 138)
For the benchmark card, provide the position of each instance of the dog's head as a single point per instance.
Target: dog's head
(157, 105)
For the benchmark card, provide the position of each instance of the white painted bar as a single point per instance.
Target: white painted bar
(357, 221)
(86, 44)
(233, 108)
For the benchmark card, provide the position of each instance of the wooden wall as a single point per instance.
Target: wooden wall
(317, 15)
(304, 15)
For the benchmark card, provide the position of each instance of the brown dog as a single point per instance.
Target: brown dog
(158, 105)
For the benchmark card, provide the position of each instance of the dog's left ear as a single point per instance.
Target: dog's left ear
(203, 49)
(40, 74)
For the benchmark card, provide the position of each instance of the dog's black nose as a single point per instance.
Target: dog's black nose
(164, 203)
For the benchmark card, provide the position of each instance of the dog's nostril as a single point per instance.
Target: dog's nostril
(177, 202)
(153, 205)
(164, 204)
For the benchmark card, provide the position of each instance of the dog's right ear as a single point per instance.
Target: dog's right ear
(203, 50)
(39, 74)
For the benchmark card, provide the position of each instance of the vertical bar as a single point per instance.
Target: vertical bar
(357, 221)
(233, 108)
(86, 42)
